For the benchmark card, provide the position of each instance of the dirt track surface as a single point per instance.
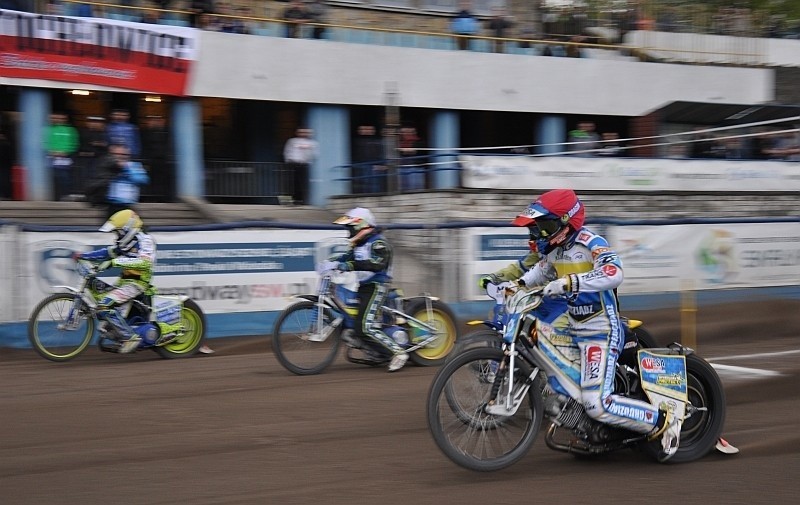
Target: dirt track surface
(236, 428)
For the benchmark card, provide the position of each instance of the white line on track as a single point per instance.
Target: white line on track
(742, 371)
(759, 355)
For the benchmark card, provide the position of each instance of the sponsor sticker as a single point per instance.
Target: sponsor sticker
(609, 270)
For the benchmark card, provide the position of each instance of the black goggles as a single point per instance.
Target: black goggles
(543, 228)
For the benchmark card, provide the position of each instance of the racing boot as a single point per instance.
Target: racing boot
(668, 428)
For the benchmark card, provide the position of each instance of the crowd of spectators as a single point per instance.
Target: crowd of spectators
(308, 18)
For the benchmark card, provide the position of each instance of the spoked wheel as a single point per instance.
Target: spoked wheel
(700, 432)
(459, 423)
(441, 318)
(60, 327)
(484, 337)
(194, 324)
(295, 344)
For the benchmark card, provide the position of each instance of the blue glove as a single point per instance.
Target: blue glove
(344, 267)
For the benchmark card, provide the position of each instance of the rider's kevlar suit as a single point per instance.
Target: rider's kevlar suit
(371, 259)
(137, 270)
(594, 271)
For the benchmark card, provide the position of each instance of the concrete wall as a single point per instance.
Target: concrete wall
(319, 71)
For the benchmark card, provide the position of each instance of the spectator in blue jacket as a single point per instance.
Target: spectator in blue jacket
(125, 179)
(464, 25)
(122, 132)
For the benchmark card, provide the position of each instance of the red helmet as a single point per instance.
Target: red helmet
(551, 217)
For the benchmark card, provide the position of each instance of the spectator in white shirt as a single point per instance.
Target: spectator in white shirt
(298, 154)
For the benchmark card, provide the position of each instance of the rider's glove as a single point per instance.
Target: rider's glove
(520, 282)
(557, 287)
(487, 279)
(343, 266)
(326, 266)
(77, 256)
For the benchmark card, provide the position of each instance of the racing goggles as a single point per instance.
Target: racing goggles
(544, 228)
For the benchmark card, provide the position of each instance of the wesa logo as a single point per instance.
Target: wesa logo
(594, 355)
(655, 365)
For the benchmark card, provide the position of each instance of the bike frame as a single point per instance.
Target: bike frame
(326, 297)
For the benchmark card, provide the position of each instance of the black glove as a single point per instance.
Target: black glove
(487, 279)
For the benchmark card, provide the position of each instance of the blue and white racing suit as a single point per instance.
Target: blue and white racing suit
(371, 260)
(594, 271)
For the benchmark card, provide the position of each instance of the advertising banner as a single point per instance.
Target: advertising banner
(145, 57)
(708, 256)
(632, 174)
(658, 259)
(223, 271)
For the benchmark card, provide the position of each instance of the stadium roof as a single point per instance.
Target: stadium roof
(722, 114)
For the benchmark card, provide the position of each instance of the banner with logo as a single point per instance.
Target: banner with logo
(659, 259)
(144, 57)
(708, 256)
(633, 174)
(223, 271)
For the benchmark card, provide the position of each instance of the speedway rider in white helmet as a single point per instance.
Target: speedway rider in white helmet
(370, 257)
(580, 265)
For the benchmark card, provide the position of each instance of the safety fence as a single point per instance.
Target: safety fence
(243, 274)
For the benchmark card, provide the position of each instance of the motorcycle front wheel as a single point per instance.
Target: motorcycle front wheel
(441, 318)
(194, 332)
(459, 423)
(295, 344)
(60, 327)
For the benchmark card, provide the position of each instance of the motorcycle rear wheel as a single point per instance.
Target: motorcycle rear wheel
(444, 321)
(194, 323)
(48, 332)
(291, 345)
(700, 432)
(462, 429)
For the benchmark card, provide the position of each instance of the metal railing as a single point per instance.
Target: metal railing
(248, 182)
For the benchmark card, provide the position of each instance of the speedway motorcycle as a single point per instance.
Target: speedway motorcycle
(486, 405)
(309, 332)
(63, 324)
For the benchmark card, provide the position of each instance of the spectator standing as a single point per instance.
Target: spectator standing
(411, 176)
(94, 146)
(295, 15)
(123, 179)
(156, 155)
(198, 8)
(61, 143)
(464, 25)
(610, 145)
(704, 146)
(121, 131)
(583, 138)
(499, 25)
(317, 13)
(232, 24)
(785, 148)
(368, 168)
(299, 153)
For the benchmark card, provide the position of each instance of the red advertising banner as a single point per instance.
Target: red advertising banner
(143, 57)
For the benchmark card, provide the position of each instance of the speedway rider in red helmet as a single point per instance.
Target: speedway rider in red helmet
(581, 266)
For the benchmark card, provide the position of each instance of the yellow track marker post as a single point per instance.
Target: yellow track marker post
(688, 314)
